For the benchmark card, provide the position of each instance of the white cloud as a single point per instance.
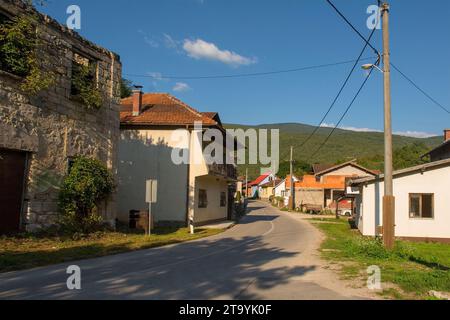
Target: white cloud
(414, 134)
(331, 125)
(149, 39)
(181, 87)
(170, 42)
(200, 49)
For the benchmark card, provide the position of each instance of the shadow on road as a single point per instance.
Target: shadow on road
(210, 268)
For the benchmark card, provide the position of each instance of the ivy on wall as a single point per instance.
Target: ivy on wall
(84, 86)
(19, 51)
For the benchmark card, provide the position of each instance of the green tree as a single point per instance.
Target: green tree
(126, 88)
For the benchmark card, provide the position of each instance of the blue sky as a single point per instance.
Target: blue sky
(215, 37)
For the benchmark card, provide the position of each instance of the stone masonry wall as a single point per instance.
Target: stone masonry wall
(52, 126)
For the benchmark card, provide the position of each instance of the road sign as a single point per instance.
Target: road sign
(151, 191)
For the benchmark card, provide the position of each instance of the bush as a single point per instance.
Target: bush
(88, 183)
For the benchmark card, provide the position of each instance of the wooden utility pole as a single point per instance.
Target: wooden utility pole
(388, 199)
(246, 183)
(292, 191)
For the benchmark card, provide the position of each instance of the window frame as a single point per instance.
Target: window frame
(92, 63)
(420, 196)
(202, 202)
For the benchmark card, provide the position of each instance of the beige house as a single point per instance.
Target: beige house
(189, 190)
(327, 186)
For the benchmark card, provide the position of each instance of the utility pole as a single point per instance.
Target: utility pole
(388, 199)
(246, 183)
(292, 192)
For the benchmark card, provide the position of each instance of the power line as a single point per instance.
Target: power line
(421, 90)
(242, 75)
(340, 90)
(354, 28)
(367, 43)
(343, 115)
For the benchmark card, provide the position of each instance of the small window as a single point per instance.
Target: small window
(202, 198)
(83, 74)
(223, 199)
(421, 206)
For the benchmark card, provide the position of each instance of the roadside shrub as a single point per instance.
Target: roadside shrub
(88, 183)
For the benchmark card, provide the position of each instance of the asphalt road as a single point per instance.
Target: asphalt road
(268, 255)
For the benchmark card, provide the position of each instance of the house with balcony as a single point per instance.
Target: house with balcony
(160, 140)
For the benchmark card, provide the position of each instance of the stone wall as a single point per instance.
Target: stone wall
(51, 126)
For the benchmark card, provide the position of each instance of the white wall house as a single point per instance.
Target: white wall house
(194, 191)
(422, 202)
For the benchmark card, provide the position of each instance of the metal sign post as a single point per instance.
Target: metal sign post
(151, 191)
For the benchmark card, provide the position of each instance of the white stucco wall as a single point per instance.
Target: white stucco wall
(213, 186)
(146, 154)
(281, 187)
(437, 181)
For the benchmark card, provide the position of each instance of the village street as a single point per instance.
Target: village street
(269, 255)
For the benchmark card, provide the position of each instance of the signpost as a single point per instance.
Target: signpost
(151, 191)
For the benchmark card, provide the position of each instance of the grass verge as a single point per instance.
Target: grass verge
(29, 251)
(416, 268)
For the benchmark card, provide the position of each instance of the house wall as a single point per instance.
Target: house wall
(52, 127)
(309, 196)
(433, 181)
(213, 186)
(266, 192)
(347, 171)
(147, 154)
(281, 187)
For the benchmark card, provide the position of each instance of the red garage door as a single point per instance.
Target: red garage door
(12, 171)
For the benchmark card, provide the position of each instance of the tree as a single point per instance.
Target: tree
(126, 88)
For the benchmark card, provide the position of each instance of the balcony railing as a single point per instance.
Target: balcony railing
(225, 170)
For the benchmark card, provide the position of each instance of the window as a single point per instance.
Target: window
(223, 199)
(83, 74)
(17, 45)
(421, 205)
(202, 198)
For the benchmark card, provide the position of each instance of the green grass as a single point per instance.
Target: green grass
(416, 268)
(29, 251)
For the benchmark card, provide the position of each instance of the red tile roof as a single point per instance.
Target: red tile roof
(164, 109)
(258, 180)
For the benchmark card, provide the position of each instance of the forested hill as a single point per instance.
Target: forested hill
(344, 145)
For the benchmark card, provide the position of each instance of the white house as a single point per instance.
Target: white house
(195, 191)
(422, 202)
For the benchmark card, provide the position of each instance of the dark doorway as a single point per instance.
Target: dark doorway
(12, 172)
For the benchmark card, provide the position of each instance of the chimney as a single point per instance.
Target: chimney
(137, 100)
(446, 135)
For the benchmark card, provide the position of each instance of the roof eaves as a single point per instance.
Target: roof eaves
(422, 167)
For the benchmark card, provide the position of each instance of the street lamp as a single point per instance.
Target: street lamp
(370, 66)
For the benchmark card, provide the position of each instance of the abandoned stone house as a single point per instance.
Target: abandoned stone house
(41, 133)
